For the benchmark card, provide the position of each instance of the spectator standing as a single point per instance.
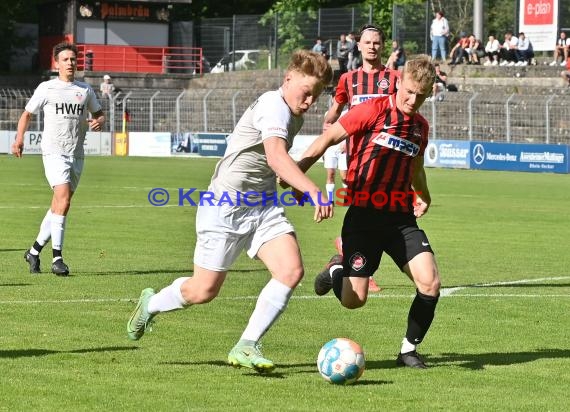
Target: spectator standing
(107, 88)
(398, 56)
(351, 37)
(355, 57)
(561, 49)
(524, 51)
(492, 51)
(438, 33)
(342, 49)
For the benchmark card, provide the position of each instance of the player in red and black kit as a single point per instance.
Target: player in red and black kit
(387, 190)
(372, 79)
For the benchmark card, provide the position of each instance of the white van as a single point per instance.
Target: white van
(244, 60)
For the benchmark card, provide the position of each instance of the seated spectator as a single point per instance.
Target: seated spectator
(476, 51)
(561, 49)
(566, 73)
(397, 57)
(507, 51)
(458, 52)
(492, 51)
(524, 51)
(440, 84)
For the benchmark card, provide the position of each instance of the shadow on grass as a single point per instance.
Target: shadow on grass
(24, 353)
(479, 361)
(307, 368)
(12, 250)
(14, 284)
(162, 271)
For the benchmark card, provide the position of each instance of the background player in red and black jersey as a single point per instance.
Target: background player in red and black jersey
(387, 191)
(372, 79)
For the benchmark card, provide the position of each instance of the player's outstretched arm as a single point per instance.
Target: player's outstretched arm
(23, 123)
(330, 137)
(285, 167)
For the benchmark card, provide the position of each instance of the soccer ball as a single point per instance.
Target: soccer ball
(341, 361)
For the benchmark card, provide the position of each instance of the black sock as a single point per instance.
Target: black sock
(420, 317)
(37, 247)
(337, 278)
(56, 254)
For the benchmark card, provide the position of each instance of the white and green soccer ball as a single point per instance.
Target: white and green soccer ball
(341, 361)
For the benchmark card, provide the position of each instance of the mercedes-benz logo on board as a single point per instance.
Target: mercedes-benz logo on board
(478, 154)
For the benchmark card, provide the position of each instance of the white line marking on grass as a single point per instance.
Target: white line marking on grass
(302, 297)
(451, 291)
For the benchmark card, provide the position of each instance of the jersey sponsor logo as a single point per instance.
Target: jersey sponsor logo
(69, 108)
(396, 143)
(361, 98)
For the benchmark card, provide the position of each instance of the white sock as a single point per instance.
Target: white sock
(169, 298)
(45, 233)
(333, 268)
(407, 346)
(57, 228)
(271, 302)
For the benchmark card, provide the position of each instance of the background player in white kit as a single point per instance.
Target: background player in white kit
(335, 158)
(65, 103)
(257, 152)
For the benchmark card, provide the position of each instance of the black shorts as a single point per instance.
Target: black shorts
(367, 233)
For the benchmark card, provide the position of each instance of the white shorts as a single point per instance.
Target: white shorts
(224, 231)
(61, 169)
(334, 159)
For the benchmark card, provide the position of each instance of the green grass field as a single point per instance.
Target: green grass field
(499, 340)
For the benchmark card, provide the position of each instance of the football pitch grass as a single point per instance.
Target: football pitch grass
(499, 340)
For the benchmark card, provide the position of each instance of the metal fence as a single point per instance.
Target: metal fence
(489, 116)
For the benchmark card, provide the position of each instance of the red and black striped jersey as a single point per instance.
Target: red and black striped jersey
(357, 86)
(381, 147)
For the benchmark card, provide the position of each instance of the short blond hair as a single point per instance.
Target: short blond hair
(421, 70)
(311, 64)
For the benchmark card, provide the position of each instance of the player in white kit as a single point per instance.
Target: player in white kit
(66, 104)
(257, 152)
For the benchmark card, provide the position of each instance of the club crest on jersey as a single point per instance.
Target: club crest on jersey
(357, 262)
(384, 84)
(396, 143)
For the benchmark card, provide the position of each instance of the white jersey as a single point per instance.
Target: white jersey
(65, 106)
(244, 166)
